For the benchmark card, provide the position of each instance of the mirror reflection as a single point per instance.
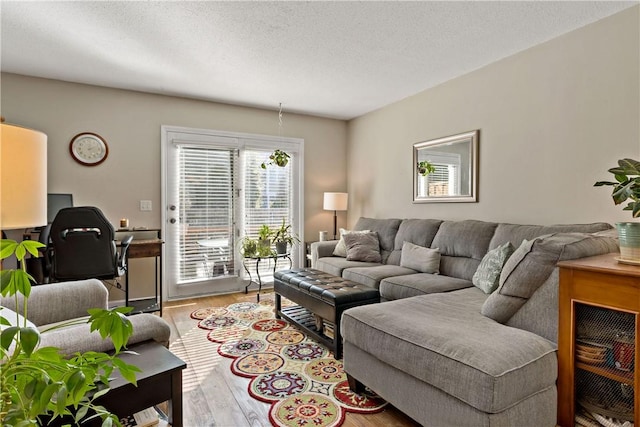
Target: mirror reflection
(446, 169)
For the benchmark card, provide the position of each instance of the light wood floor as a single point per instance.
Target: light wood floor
(212, 395)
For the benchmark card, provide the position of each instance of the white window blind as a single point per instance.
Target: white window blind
(267, 198)
(206, 206)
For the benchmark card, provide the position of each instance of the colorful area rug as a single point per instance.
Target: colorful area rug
(300, 378)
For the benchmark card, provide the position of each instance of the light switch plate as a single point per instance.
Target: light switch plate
(145, 205)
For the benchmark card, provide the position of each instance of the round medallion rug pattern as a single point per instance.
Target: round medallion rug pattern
(300, 378)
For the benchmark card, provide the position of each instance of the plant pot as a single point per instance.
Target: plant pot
(265, 243)
(281, 247)
(629, 235)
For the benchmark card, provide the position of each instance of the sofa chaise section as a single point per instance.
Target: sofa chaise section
(444, 342)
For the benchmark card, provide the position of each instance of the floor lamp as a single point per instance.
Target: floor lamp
(23, 177)
(335, 202)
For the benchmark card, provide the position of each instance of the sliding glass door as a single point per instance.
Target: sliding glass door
(215, 192)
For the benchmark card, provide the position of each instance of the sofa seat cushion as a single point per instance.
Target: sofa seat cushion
(371, 276)
(410, 285)
(444, 341)
(335, 265)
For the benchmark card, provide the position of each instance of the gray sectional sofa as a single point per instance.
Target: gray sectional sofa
(442, 350)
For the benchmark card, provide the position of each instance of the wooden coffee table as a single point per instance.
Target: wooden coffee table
(159, 381)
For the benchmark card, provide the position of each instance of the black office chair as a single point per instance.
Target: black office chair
(84, 247)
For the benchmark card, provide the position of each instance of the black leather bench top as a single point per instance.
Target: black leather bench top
(326, 286)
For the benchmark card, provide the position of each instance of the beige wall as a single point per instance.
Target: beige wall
(552, 120)
(130, 122)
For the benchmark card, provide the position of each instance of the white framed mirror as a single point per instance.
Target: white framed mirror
(446, 169)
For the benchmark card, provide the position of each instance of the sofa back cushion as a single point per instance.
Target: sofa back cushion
(417, 231)
(462, 244)
(516, 233)
(386, 229)
(531, 265)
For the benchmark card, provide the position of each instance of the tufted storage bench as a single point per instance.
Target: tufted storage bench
(323, 295)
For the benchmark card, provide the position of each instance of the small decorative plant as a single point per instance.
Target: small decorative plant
(626, 185)
(249, 247)
(278, 158)
(284, 234)
(283, 237)
(265, 232)
(37, 384)
(425, 168)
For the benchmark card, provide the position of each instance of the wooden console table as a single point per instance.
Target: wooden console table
(145, 248)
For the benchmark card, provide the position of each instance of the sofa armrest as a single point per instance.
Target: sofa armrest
(322, 249)
(56, 302)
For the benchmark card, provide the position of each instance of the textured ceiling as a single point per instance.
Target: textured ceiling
(332, 59)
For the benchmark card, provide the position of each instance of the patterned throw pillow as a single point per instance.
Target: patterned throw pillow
(341, 248)
(363, 247)
(487, 276)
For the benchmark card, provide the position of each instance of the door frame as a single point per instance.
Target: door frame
(248, 140)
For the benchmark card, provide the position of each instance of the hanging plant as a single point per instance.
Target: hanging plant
(278, 158)
(425, 168)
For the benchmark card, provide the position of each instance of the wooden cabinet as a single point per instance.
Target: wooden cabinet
(599, 303)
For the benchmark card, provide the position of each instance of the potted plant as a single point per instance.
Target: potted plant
(278, 158)
(264, 236)
(425, 168)
(283, 237)
(627, 187)
(40, 384)
(249, 247)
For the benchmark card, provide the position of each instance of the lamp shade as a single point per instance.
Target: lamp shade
(335, 201)
(23, 177)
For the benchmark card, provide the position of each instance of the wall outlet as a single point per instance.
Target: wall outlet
(145, 205)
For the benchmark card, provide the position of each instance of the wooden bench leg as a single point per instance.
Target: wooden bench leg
(355, 385)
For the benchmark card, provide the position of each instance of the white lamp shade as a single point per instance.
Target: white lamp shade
(23, 177)
(335, 201)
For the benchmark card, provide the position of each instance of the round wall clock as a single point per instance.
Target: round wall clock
(88, 149)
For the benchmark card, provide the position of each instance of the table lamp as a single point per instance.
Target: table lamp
(23, 177)
(335, 202)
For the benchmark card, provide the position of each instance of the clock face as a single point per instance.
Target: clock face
(88, 149)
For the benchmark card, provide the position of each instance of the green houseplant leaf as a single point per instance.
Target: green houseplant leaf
(626, 185)
(40, 384)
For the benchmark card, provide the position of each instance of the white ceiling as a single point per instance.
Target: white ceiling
(331, 59)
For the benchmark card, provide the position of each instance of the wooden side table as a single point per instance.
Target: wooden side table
(599, 302)
(159, 381)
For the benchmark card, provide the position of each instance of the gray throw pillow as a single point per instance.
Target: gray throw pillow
(419, 258)
(341, 247)
(363, 247)
(487, 276)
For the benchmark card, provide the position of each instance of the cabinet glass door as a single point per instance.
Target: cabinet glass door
(605, 364)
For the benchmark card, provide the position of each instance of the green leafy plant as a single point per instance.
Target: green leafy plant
(284, 234)
(265, 232)
(425, 168)
(39, 383)
(249, 247)
(278, 158)
(626, 185)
